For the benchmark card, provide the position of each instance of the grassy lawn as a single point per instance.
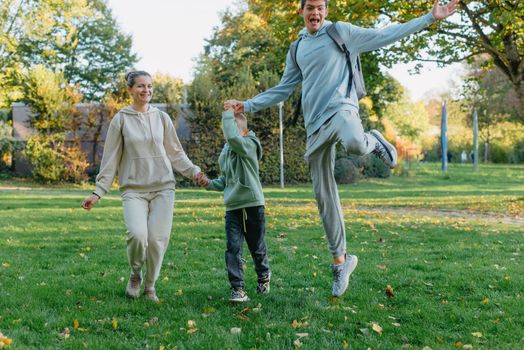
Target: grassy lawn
(457, 283)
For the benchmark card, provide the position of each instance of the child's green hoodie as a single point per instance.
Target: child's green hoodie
(238, 163)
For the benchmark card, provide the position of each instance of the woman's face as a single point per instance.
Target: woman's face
(142, 90)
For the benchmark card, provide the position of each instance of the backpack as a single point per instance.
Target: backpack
(333, 33)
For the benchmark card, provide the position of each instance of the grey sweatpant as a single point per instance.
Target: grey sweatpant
(344, 127)
(148, 217)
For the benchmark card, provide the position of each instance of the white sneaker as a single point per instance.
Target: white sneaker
(133, 286)
(150, 294)
(384, 150)
(341, 274)
(238, 295)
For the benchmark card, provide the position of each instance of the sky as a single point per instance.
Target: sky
(169, 34)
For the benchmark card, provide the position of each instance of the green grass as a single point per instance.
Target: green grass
(452, 278)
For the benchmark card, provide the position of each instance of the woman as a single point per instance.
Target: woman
(142, 147)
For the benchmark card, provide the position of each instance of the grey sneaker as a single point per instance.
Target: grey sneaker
(341, 274)
(263, 285)
(133, 286)
(384, 150)
(238, 295)
(150, 294)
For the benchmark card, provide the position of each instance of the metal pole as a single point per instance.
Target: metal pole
(280, 117)
(444, 138)
(475, 140)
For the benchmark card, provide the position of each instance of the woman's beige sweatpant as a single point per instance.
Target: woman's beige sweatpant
(148, 217)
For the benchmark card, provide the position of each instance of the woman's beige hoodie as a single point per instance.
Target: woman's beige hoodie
(142, 149)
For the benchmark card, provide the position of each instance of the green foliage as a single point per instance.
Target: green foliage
(8, 144)
(346, 172)
(494, 29)
(375, 167)
(53, 103)
(168, 90)
(409, 119)
(46, 93)
(78, 37)
(517, 154)
(56, 163)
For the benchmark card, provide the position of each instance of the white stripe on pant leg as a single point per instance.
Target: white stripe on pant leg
(328, 202)
(160, 222)
(135, 219)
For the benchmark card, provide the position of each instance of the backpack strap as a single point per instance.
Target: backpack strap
(333, 33)
(293, 48)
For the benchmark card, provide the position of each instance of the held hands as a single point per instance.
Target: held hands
(441, 12)
(201, 179)
(90, 201)
(234, 105)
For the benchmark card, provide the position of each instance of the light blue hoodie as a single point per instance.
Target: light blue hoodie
(324, 74)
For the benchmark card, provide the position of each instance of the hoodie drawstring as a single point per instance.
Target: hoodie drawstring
(244, 218)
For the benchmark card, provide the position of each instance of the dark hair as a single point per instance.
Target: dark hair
(303, 3)
(131, 76)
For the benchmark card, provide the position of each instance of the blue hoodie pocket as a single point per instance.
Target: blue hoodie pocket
(149, 171)
(238, 193)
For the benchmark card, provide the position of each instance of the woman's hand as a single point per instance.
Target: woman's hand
(88, 203)
(201, 179)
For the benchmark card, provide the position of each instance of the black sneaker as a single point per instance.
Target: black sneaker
(384, 150)
(238, 295)
(263, 285)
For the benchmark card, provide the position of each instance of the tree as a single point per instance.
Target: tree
(53, 103)
(79, 37)
(168, 90)
(487, 27)
(99, 52)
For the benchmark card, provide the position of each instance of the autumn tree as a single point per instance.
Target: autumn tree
(488, 27)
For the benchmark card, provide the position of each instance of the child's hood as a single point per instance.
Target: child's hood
(253, 137)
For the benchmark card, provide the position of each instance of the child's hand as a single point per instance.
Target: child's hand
(201, 179)
(234, 106)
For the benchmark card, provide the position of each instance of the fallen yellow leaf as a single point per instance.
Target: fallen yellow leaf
(346, 344)
(192, 330)
(294, 324)
(76, 324)
(389, 291)
(477, 334)
(376, 327)
(114, 324)
(458, 344)
(485, 301)
(191, 324)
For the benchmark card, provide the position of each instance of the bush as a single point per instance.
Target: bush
(52, 161)
(346, 172)
(499, 154)
(375, 167)
(517, 154)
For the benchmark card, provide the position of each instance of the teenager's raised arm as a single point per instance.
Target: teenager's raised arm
(368, 39)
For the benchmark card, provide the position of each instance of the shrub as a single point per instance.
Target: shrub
(52, 161)
(517, 154)
(346, 172)
(375, 167)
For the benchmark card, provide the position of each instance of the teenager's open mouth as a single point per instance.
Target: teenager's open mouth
(314, 20)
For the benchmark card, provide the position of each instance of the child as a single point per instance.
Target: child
(244, 203)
